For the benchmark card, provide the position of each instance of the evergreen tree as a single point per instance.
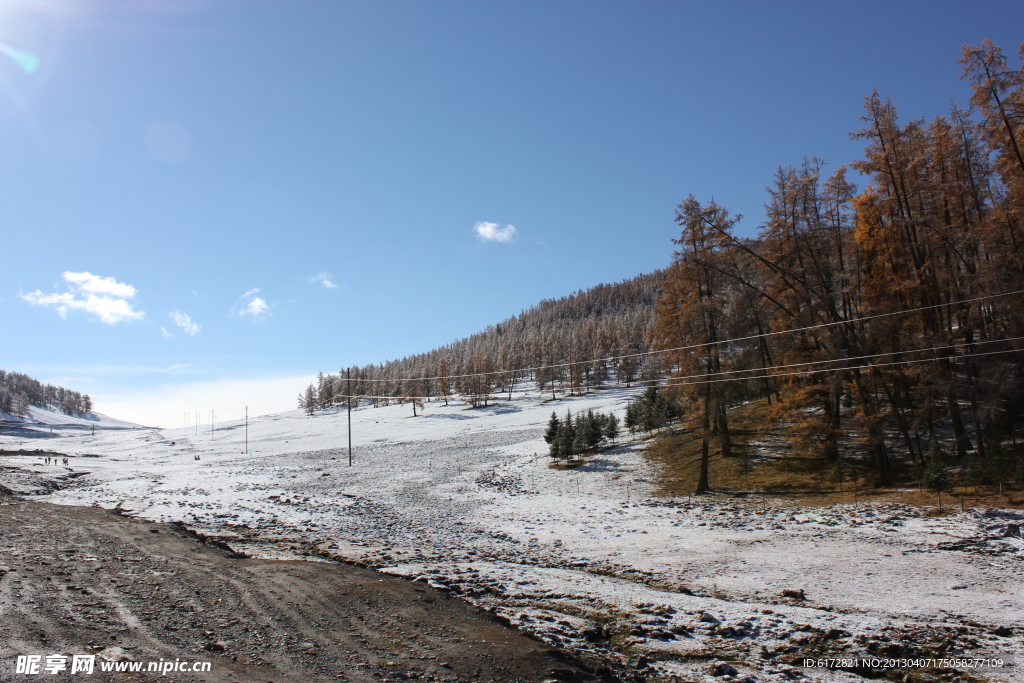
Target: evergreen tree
(562, 447)
(630, 420)
(611, 427)
(309, 400)
(558, 448)
(650, 411)
(552, 430)
(592, 432)
(579, 435)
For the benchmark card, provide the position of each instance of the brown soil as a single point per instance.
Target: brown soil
(77, 580)
(800, 478)
(678, 452)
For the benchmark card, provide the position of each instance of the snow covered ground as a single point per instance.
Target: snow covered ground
(585, 558)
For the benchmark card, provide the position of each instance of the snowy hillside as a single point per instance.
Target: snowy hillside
(585, 558)
(43, 420)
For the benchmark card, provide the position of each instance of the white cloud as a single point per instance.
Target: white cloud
(100, 286)
(252, 305)
(492, 232)
(103, 297)
(165, 333)
(256, 307)
(185, 323)
(325, 280)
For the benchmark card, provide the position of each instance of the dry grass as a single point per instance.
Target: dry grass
(782, 474)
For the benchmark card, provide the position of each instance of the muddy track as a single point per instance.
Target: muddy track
(77, 580)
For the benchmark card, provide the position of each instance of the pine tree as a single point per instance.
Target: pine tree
(556, 450)
(309, 401)
(630, 420)
(552, 430)
(611, 427)
(562, 445)
(592, 432)
(579, 435)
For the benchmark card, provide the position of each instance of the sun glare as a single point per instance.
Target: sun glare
(29, 29)
(28, 61)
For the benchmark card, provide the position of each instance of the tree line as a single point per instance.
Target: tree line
(818, 297)
(564, 345)
(18, 392)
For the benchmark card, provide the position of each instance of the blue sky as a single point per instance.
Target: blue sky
(242, 193)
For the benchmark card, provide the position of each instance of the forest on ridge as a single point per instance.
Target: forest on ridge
(570, 345)
(19, 391)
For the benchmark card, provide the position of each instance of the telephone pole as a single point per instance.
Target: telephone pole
(348, 375)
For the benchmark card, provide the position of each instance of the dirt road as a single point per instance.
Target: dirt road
(77, 580)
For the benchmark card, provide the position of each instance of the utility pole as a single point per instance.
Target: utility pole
(348, 375)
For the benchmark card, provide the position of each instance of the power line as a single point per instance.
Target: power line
(674, 381)
(844, 359)
(670, 383)
(690, 346)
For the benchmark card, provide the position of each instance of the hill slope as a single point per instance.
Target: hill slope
(601, 322)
